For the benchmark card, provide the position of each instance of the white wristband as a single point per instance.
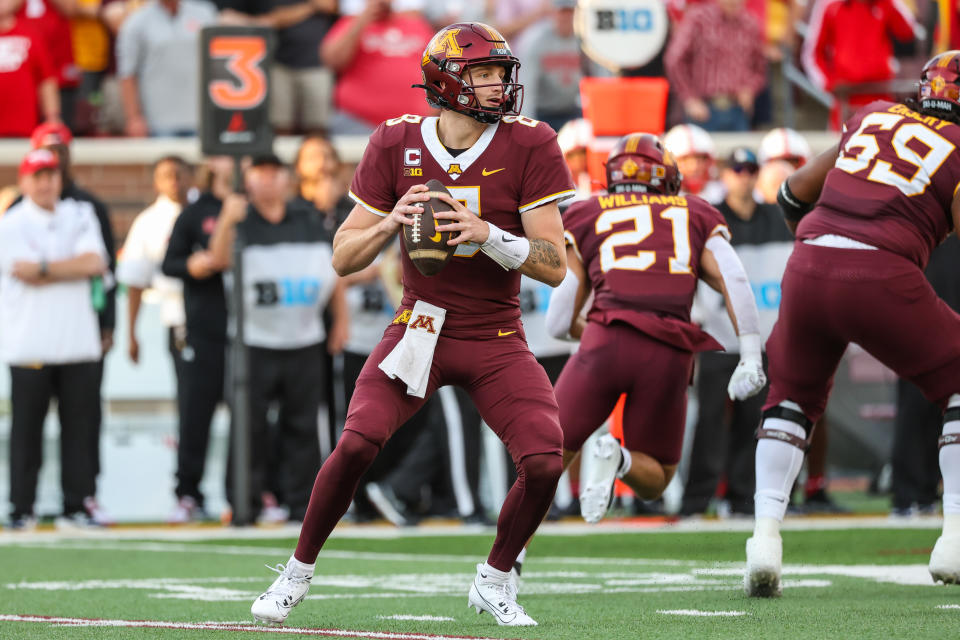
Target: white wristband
(751, 347)
(506, 249)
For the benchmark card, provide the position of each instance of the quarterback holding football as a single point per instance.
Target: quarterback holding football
(504, 175)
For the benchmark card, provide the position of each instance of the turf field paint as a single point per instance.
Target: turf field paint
(216, 626)
(401, 616)
(695, 612)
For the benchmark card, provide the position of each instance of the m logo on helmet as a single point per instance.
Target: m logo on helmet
(444, 43)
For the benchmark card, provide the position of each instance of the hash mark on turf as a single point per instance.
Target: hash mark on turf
(216, 626)
(696, 612)
(401, 616)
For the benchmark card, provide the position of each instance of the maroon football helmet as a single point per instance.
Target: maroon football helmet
(639, 162)
(938, 91)
(446, 67)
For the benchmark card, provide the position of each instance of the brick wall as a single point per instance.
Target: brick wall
(126, 189)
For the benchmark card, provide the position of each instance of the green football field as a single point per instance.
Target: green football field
(844, 583)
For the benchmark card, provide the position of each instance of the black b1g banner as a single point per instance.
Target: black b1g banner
(235, 90)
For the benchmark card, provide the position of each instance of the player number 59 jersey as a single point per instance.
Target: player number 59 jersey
(642, 256)
(892, 184)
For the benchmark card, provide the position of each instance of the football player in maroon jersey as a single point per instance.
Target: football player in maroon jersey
(640, 248)
(506, 175)
(885, 196)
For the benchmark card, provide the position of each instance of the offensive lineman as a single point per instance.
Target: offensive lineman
(511, 174)
(889, 192)
(641, 249)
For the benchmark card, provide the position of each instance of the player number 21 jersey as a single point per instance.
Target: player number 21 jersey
(642, 256)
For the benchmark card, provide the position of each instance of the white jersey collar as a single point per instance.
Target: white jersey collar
(431, 138)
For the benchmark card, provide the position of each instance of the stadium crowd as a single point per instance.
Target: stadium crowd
(112, 68)
(119, 67)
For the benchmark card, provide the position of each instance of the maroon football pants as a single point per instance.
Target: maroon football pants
(513, 395)
(882, 301)
(615, 359)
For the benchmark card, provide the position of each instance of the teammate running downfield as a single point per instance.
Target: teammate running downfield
(641, 248)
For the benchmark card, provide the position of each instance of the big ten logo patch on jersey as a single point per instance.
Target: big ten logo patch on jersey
(412, 158)
(287, 292)
(424, 322)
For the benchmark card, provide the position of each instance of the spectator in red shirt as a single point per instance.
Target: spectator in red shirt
(849, 42)
(715, 62)
(50, 19)
(28, 82)
(376, 55)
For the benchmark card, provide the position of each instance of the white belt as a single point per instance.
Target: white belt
(838, 242)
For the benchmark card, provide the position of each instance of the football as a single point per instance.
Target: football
(427, 247)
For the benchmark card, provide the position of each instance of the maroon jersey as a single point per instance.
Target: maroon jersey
(642, 255)
(892, 184)
(515, 166)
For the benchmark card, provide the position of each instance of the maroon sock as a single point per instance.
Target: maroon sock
(524, 507)
(332, 492)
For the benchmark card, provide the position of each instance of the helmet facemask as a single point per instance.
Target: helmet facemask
(511, 99)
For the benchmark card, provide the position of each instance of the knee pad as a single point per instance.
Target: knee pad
(791, 413)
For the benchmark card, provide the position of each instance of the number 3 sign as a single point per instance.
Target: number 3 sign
(234, 90)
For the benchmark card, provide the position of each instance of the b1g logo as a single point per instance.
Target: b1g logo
(640, 20)
(621, 34)
(287, 292)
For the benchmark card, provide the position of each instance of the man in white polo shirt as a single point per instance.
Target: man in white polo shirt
(49, 250)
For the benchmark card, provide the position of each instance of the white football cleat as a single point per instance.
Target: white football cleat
(596, 494)
(499, 599)
(764, 566)
(945, 560)
(286, 592)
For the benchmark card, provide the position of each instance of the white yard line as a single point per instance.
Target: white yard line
(405, 616)
(613, 526)
(206, 626)
(268, 553)
(695, 612)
